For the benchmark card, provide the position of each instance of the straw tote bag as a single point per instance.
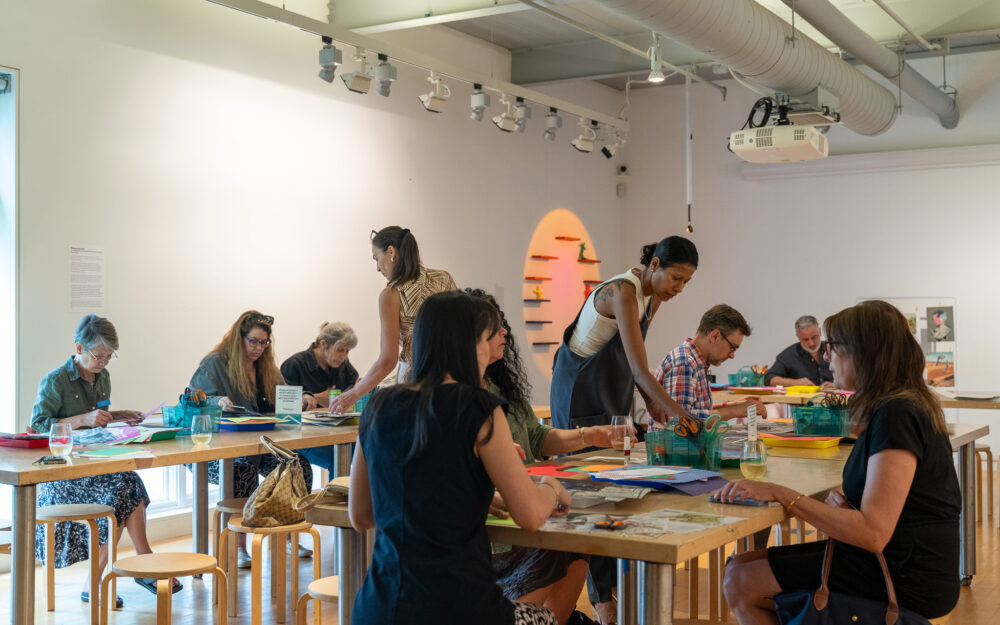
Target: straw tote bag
(274, 502)
(822, 607)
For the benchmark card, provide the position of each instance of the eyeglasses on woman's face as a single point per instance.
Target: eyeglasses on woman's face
(261, 343)
(828, 347)
(105, 358)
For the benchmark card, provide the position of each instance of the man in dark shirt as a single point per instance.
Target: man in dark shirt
(802, 364)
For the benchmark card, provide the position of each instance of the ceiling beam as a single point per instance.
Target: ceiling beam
(441, 18)
(418, 59)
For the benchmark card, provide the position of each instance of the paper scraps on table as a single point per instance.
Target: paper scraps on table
(550, 469)
(656, 523)
(116, 452)
(667, 473)
(591, 468)
(254, 420)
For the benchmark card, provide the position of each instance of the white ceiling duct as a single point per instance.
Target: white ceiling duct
(845, 33)
(755, 43)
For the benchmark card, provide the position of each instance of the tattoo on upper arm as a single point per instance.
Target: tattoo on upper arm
(610, 290)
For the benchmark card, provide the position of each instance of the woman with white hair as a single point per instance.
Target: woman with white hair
(78, 393)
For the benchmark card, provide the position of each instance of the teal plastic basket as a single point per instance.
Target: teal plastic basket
(180, 417)
(748, 377)
(664, 447)
(820, 421)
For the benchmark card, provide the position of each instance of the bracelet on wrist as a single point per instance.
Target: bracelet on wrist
(583, 438)
(788, 508)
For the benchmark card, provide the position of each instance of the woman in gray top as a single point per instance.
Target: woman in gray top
(78, 393)
(240, 372)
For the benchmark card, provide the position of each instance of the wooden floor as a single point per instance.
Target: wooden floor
(979, 604)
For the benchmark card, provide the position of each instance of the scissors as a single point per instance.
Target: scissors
(611, 523)
(833, 401)
(692, 428)
(759, 369)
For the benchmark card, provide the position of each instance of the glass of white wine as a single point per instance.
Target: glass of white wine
(753, 459)
(201, 428)
(61, 439)
(623, 434)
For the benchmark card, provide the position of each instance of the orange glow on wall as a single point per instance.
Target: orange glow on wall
(552, 268)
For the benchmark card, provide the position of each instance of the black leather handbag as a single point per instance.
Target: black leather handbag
(822, 607)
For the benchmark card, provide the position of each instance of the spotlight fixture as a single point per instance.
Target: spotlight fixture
(609, 150)
(506, 121)
(329, 59)
(522, 113)
(435, 100)
(385, 73)
(479, 102)
(655, 70)
(552, 122)
(585, 142)
(361, 80)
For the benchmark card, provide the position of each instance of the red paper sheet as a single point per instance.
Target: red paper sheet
(555, 470)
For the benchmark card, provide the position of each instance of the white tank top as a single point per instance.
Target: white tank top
(593, 330)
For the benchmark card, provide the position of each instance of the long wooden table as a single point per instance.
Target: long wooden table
(812, 472)
(17, 468)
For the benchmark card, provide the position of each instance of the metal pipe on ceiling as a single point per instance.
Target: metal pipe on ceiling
(896, 18)
(846, 34)
(762, 47)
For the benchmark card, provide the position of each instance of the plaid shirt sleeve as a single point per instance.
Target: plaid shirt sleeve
(679, 379)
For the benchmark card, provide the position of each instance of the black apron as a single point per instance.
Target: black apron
(590, 390)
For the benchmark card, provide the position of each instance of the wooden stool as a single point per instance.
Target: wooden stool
(983, 452)
(49, 516)
(163, 567)
(232, 507)
(277, 537)
(324, 589)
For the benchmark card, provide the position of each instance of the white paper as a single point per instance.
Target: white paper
(638, 474)
(86, 279)
(288, 402)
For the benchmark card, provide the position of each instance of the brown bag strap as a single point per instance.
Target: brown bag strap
(822, 595)
(283, 454)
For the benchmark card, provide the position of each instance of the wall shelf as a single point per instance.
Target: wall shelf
(561, 238)
(537, 278)
(545, 342)
(544, 257)
(593, 282)
(536, 321)
(590, 261)
(526, 301)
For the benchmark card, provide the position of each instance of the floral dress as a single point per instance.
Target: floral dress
(64, 393)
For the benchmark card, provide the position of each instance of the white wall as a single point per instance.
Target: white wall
(8, 249)
(781, 248)
(197, 145)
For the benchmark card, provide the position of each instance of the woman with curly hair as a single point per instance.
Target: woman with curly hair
(550, 578)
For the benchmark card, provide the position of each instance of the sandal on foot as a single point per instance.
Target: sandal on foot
(119, 604)
(149, 583)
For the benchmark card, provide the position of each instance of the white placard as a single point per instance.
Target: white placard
(288, 402)
(752, 422)
(86, 279)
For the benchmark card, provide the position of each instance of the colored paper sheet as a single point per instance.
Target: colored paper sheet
(669, 473)
(495, 520)
(699, 487)
(116, 452)
(591, 468)
(553, 470)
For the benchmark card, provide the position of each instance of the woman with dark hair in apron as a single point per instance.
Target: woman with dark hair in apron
(602, 358)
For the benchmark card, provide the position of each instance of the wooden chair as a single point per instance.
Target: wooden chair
(324, 589)
(164, 567)
(983, 453)
(83, 512)
(277, 536)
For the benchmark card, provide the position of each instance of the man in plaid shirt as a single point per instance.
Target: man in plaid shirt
(684, 371)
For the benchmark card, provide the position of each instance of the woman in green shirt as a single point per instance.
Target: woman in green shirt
(553, 579)
(78, 392)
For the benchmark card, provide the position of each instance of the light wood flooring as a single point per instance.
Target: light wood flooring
(979, 604)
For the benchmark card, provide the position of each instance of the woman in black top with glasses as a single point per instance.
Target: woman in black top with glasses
(240, 372)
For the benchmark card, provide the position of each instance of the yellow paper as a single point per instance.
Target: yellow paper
(495, 520)
(591, 468)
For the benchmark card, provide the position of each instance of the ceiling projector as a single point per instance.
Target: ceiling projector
(779, 144)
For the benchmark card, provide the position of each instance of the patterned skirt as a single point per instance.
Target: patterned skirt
(122, 491)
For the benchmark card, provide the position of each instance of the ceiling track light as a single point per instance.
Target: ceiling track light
(479, 102)
(330, 59)
(436, 99)
(506, 121)
(552, 122)
(522, 113)
(385, 74)
(585, 142)
(655, 67)
(358, 81)
(609, 150)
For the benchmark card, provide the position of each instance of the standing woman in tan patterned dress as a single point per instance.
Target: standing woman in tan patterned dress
(396, 257)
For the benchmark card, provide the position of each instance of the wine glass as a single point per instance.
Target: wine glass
(61, 439)
(753, 459)
(623, 434)
(201, 428)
